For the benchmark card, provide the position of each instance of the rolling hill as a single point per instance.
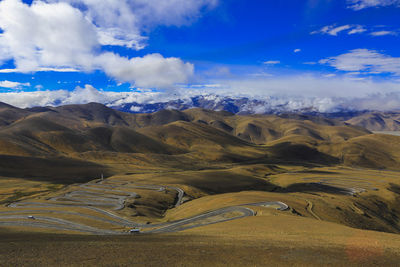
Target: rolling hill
(333, 176)
(74, 131)
(377, 121)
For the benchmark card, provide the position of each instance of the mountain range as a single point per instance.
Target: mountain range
(369, 119)
(92, 138)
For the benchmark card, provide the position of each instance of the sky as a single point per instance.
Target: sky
(342, 52)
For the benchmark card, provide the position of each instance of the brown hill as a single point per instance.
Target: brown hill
(37, 136)
(377, 121)
(375, 151)
(76, 130)
(10, 114)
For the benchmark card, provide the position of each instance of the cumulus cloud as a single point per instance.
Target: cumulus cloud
(141, 13)
(46, 35)
(13, 85)
(117, 37)
(5, 53)
(149, 71)
(68, 35)
(366, 61)
(361, 4)
(122, 22)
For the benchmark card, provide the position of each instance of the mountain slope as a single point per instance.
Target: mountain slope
(369, 119)
(96, 130)
(377, 121)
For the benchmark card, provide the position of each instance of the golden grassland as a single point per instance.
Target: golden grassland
(270, 240)
(303, 236)
(340, 182)
(12, 189)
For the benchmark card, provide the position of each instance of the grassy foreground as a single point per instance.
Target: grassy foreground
(246, 242)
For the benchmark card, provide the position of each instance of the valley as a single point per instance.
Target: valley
(88, 174)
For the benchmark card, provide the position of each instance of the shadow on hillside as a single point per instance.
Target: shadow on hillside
(301, 153)
(315, 188)
(318, 172)
(295, 155)
(55, 170)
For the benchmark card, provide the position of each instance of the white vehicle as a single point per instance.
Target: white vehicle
(134, 231)
(31, 217)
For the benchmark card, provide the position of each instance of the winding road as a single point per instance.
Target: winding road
(101, 198)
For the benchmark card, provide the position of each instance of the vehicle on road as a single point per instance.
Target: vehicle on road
(31, 217)
(134, 231)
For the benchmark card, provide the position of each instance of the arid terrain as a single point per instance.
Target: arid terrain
(202, 187)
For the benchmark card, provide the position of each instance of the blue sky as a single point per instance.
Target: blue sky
(311, 48)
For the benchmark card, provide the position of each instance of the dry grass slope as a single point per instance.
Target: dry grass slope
(333, 176)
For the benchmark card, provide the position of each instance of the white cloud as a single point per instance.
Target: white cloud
(271, 62)
(46, 35)
(364, 60)
(332, 29)
(306, 85)
(218, 71)
(260, 74)
(357, 29)
(13, 85)
(297, 50)
(5, 53)
(361, 4)
(135, 108)
(336, 30)
(40, 69)
(288, 93)
(117, 37)
(79, 96)
(122, 22)
(31, 99)
(284, 93)
(58, 36)
(329, 75)
(85, 95)
(149, 71)
(383, 33)
(52, 98)
(378, 101)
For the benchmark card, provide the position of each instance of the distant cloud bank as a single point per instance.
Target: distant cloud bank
(292, 94)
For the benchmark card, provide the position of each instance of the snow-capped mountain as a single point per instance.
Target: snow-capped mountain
(238, 105)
